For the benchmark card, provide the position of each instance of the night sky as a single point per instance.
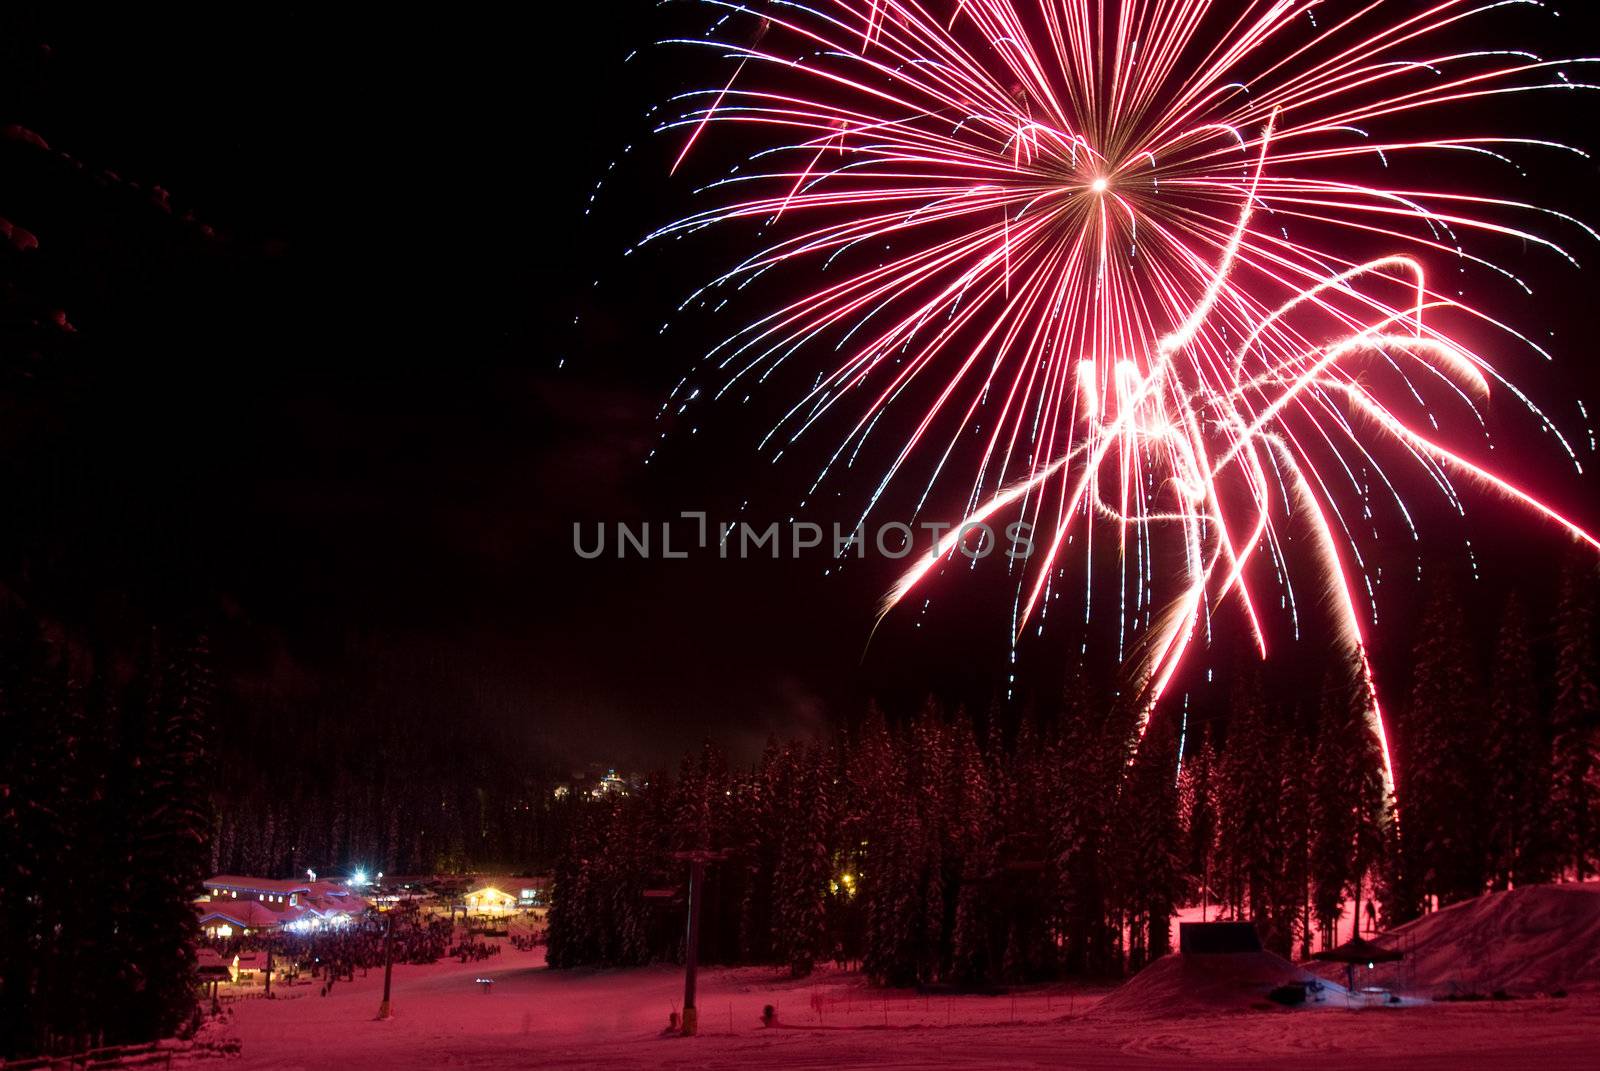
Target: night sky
(352, 426)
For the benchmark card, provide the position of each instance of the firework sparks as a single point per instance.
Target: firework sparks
(1064, 227)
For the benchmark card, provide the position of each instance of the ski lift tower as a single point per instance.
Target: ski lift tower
(697, 861)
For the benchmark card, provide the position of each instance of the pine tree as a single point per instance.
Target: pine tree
(877, 827)
(707, 818)
(1198, 815)
(895, 950)
(1083, 788)
(800, 886)
(34, 807)
(1346, 801)
(1291, 838)
(1374, 806)
(564, 921)
(1517, 760)
(1575, 722)
(929, 766)
(1150, 802)
(1334, 805)
(1024, 909)
(759, 856)
(1440, 821)
(92, 944)
(972, 832)
(170, 803)
(1247, 800)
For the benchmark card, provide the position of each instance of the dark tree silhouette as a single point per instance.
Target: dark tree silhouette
(1517, 760)
(1575, 718)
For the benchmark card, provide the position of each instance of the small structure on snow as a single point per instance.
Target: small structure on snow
(1358, 952)
(1217, 938)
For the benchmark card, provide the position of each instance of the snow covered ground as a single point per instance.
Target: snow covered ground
(535, 1017)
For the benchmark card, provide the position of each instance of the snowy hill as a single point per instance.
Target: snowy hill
(1524, 941)
(1188, 984)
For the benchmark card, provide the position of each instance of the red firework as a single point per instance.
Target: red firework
(1081, 215)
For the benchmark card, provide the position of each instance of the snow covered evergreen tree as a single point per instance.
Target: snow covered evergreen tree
(759, 854)
(1149, 805)
(34, 806)
(1291, 830)
(1517, 760)
(1197, 808)
(1575, 721)
(1440, 757)
(1083, 788)
(1333, 807)
(800, 885)
(168, 855)
(972, 853)
(1247, 800)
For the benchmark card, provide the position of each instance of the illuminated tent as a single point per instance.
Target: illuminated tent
(1357, 951)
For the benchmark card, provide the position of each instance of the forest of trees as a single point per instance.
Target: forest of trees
(935, 848)
(949, 850)
(322, 791)
(104, 813)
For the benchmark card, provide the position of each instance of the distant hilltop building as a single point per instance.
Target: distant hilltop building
(595, 783)
(231, 904)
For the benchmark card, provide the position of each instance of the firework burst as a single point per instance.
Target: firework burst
(1131, 263)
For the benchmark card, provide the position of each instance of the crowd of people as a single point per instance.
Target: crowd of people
(526, 942)
(333, 954)
(474, 950)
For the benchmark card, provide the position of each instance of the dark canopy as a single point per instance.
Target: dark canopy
(1358, 950)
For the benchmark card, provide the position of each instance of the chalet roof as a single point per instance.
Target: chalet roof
(276, 886)
(210, 964)
(336, 905)
(248, 914)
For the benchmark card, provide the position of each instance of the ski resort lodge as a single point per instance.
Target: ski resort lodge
(230, 904)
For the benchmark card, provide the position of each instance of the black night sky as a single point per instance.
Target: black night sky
(349, 412)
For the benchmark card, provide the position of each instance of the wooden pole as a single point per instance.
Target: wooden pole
(385, 1010)
(691, 954)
